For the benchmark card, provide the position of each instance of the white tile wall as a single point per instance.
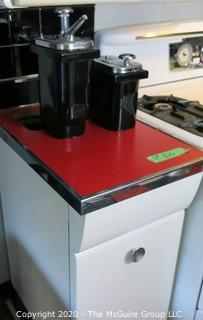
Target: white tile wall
(111, 15)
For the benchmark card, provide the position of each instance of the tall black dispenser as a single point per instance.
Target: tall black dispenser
(114, 91)
(64, 63)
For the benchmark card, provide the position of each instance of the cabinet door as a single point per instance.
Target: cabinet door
(107, 279)
(200, 303)
(199, 315)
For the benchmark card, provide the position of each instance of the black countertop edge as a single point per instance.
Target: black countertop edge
(84, 205)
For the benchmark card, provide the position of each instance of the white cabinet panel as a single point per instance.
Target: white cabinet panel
(36, 225)
(107, 279)
(4, 271)
(200, 304)
(199, 315)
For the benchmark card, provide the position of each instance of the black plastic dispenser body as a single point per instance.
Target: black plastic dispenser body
(114, 93)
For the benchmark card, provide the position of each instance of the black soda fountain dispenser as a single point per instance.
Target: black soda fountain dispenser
(64, 63)
(114, 91)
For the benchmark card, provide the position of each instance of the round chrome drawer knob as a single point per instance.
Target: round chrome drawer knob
(137, 255)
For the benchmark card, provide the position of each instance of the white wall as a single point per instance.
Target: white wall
(111, 15)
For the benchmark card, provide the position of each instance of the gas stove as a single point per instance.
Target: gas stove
(172, 97)
(179, 117)
(182, 113)
(171, 100)
(185, 116)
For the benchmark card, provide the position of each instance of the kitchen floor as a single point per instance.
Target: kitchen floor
(5, 313)
(9, 302)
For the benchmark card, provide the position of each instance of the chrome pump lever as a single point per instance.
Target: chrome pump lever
(76, 26)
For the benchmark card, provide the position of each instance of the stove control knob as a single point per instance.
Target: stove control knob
(184, 55)
(127, 58)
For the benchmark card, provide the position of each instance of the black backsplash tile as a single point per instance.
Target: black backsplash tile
(18, 29)
(7, 64)
(25, 61)
(14, 93)
(24, 25)
(50, 22)
(4, 27)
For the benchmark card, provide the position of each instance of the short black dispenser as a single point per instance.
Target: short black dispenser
(64, 63)
(114, 91)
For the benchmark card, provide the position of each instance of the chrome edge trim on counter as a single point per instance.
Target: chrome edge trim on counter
(84, 205)
(140, 186)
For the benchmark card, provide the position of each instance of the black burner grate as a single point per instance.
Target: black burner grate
(182, 113)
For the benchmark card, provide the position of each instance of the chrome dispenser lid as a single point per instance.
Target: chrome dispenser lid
(65, 44)
(125, 63)
(66, 40)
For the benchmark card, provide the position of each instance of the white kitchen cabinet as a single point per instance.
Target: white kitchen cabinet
(60, 260)
(106, 278)
(4, 271)
(36, 226)
(200, 304)
(199, 315)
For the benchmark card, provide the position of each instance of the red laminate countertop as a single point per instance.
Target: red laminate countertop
(100, 159)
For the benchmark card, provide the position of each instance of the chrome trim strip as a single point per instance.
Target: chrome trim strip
(162, 35)
(15, 45)
(84, 205)
(21, 79)
(129, 190)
